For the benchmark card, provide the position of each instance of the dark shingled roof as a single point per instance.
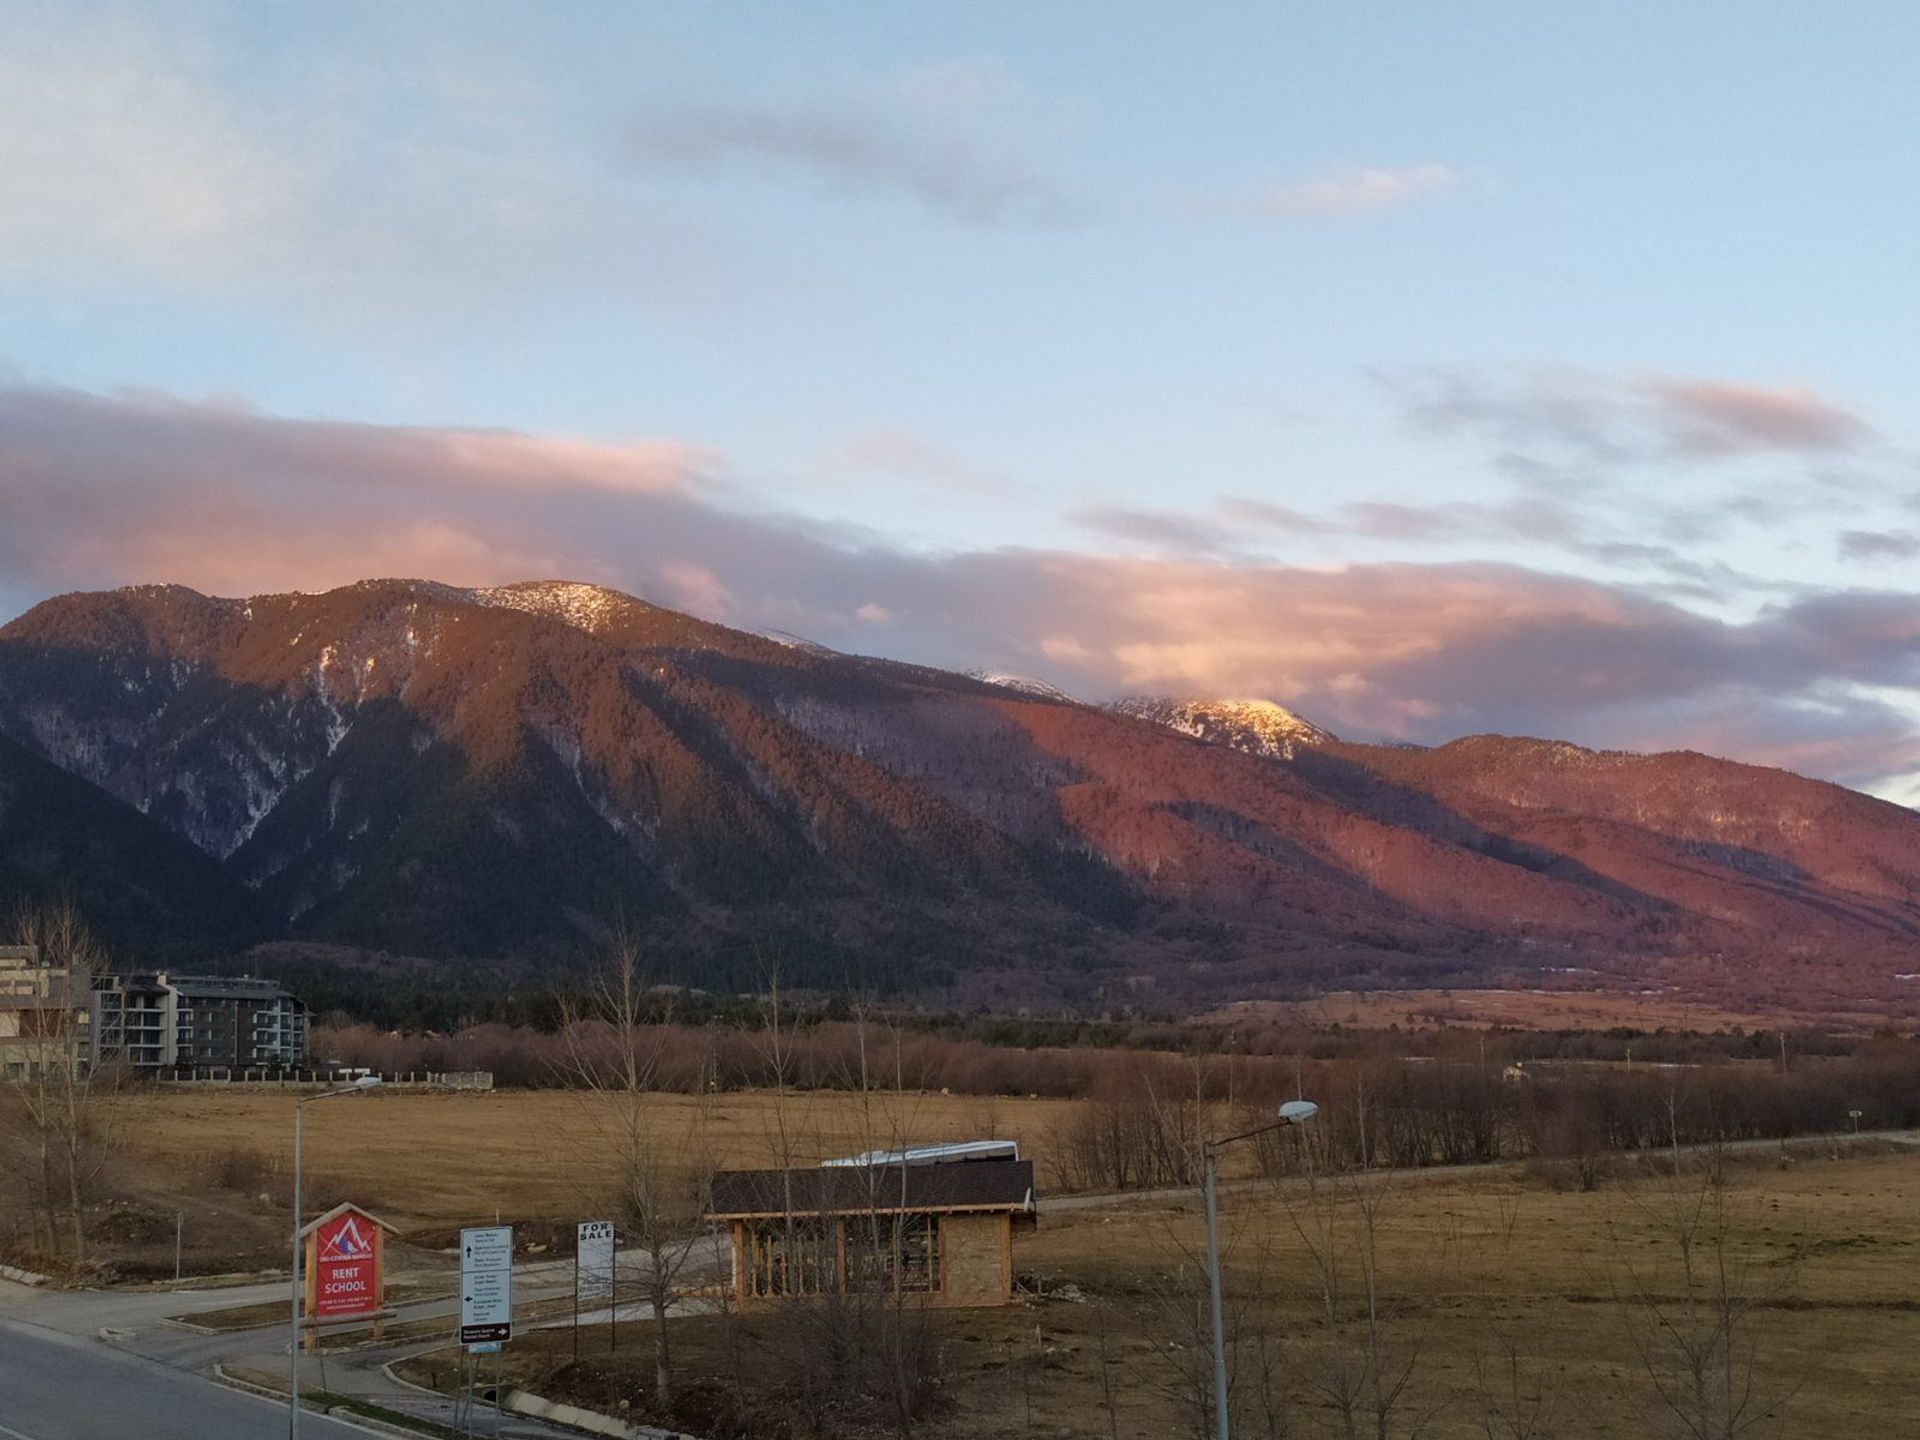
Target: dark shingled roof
(226, 987)
(830, 1190)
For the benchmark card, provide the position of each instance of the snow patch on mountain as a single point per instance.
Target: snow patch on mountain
(797, 642)
(1025, 684)
(585, 607)
(1259, 727)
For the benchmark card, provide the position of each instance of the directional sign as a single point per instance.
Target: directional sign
(594, 1251)
(486, 1284)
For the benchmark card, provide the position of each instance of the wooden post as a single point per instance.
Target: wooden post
(380, 1289)
(309, 1280)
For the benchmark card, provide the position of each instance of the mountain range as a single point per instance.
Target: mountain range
(418, 769)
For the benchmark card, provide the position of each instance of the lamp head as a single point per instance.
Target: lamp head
(1298, 1112)
(366, 1082)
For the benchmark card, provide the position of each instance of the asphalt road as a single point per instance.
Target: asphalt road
(55, 1386)
(105, 1327)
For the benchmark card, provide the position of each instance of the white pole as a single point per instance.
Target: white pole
(293, 1346)
(1211, 1164)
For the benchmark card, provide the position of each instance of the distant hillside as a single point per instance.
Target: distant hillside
(480, 774)
(148, 892)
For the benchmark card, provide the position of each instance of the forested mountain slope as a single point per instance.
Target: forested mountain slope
(407, 766)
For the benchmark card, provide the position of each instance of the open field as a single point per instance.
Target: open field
(1825, 1256)
(1539, 1010)
(433, 1160)
(1824, 1251)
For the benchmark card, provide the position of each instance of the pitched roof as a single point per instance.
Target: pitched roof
(338, 1210)
(226, 987)
(853, 1189)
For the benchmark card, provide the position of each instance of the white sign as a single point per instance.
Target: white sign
(593, 1251)
(486, 1284)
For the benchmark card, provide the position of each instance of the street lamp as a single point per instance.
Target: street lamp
(365, 1082)
(1293, 1112)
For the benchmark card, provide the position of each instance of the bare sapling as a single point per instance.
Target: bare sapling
(1368, 1354)
(1695, 1312)
(54, 1080)
(612, 1058)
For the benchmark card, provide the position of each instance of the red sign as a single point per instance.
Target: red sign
(346, 1267)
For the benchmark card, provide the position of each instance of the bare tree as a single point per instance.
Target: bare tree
(1512, 1381)
(1258, 1361)
(849, 1265)
(1693, 1316)
(612, 1057)
(54, 1084)
(1368, 1355)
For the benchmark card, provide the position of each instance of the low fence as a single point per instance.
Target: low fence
(310, 1079)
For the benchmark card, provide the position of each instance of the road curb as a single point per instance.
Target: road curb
(524, 1402)
(343, 1413)
(399, 1379)
(265, 1392)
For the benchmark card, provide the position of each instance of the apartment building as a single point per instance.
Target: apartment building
(44, 1015)
(161, 1021)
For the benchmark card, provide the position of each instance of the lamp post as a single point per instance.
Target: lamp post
(365, 1082)
(1294, 1112)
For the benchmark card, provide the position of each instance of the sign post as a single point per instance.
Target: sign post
(343, 1279)
(592, 1268)
(486, 1285)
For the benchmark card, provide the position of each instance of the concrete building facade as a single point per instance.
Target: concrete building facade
(160, 1021)
(45, 1015)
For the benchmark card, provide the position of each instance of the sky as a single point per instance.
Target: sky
(1429, 370)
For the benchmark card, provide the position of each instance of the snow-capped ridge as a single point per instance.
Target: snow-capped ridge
(1259, 727)
(585, 607)
(796, 642)
(1025, 684)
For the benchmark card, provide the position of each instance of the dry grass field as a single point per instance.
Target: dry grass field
(434, 1159)
(1826, 1254)
(1506, 1304)
(1538, 1010)
(1492, 1283)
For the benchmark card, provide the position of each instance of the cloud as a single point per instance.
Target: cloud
(102, 490)
(904, 455)
(1237, 517)
(1631, 418)
(118, 149)
(170, 440)
(1872, 545)
(1717, 417)
(1247, 511)
(954, 139)
(136, 150)
(1524, 519)
(1161, 529)
(1354, 190)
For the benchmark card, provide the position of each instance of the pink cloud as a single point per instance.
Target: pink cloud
(1624, 418)
(1719, 417)
(902, 454)
(98, 491)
